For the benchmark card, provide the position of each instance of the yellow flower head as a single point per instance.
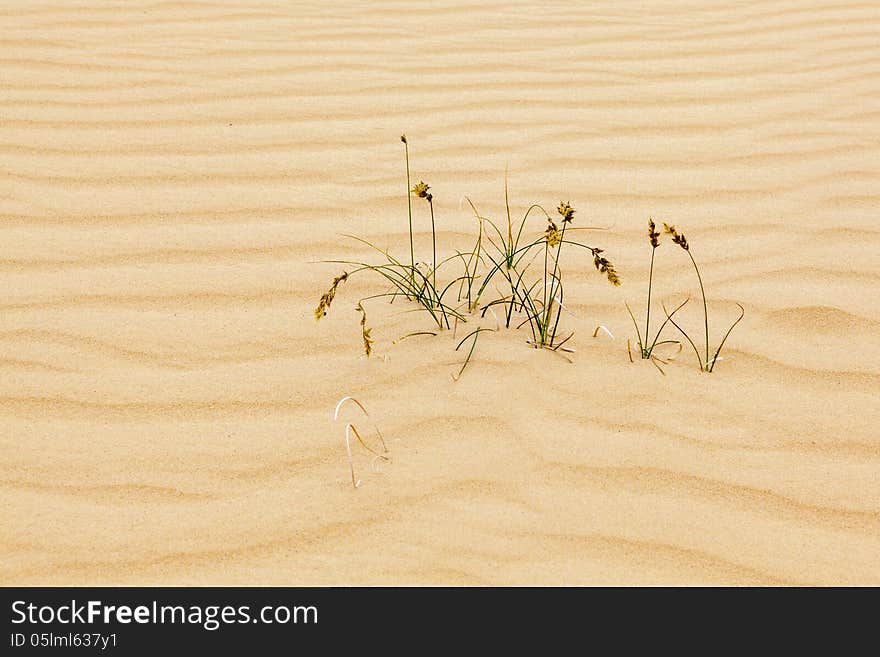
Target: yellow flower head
(552, 235)
(566, 211)
(421, 190)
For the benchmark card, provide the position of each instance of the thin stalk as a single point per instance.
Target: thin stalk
(681, 330)
(705, 306)
(663, 325)
(433, 244)
(476, 334)
(742, 313)
(509, 223)
(650, 283)
(523, 223)
(544, 299)
(553, 277)
(636, 326)
(558, 313)
(412, 252)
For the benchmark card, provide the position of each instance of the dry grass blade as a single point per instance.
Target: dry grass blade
(654, 360)
(339, 406)
(559, 346)
(553, 351)
(604, 329)
(669, 359)
(414, 334)
(350, 429)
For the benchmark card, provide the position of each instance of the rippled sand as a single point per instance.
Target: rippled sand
(170, 173)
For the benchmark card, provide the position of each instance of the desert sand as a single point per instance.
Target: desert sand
(172, 174)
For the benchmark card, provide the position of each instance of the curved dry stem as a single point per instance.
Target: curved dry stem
(414, 334)
(604, 329)
(654, 360)
(559, 346)
(342, 401)
(350, 429)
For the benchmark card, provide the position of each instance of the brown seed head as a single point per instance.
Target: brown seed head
(603, 265)
(365, 332)
(677, 238)
(328, 296)
(403, 138)
(566, 211)
(653, 233)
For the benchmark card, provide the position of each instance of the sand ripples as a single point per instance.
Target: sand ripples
(170, 173)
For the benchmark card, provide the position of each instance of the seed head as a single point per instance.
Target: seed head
(328, 296)
(403, 138)
(677, 238)
(552, 235)
(605, 267)
(365, 332)
(653, 233)
(421, 190)
(566, 211)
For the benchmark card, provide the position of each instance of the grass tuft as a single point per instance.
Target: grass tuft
(534, 295)
(706, 363)
(524, 270)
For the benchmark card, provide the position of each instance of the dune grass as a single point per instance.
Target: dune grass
(542, 300)
(706, 363)
(647, 344)
(458, 289)
(452, 291)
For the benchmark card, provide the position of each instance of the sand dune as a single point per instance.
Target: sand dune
(170, 172)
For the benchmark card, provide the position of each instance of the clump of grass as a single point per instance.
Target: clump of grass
(409, 280)
(647, 344)
(542, 301)
(508, 252)
(351, 430)
(446, 303)
(706, 363)
(539, 300)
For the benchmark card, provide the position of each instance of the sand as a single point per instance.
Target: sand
(172, 173)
